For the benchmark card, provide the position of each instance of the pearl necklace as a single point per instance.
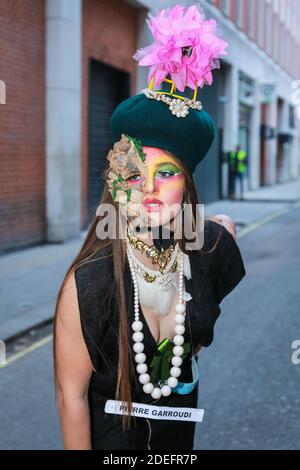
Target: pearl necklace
(155, 390)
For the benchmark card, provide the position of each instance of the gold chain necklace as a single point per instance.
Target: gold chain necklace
(160, 257)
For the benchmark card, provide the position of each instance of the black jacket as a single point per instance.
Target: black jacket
(214, 275)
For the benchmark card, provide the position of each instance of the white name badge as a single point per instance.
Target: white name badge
(154, 412)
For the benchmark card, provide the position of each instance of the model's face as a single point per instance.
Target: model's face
(162, 184)
(146, 182)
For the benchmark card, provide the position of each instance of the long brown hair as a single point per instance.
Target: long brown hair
(91, 248)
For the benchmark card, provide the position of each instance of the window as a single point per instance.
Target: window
(276, 39)
(239, 12)
(282, 7)
(260, 23)
(282, 45)
(268, 28)
(225, 6)
(276, 6)
(250, 18)
(291, 116)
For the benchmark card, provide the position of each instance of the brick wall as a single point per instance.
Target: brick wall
(22, 123)
(109, 34)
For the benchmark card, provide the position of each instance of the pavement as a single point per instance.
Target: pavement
(30, 278)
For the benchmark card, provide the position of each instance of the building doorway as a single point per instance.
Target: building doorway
(108, 86)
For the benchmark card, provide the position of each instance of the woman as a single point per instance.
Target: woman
(140, 300)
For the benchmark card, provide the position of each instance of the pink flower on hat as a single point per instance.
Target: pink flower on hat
(185, 46)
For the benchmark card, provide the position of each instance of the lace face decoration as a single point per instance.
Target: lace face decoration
(126, 160)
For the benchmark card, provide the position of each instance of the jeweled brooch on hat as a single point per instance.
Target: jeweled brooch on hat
(178, 105)
(187, 49)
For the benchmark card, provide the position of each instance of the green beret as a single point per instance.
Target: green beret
(152, 122)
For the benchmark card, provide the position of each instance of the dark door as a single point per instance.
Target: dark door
(107, 88)
(208, 173)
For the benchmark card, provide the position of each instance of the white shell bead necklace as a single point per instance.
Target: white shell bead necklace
(158, 390)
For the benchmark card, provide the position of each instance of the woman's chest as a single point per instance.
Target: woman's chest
(198, 288)
(160, 326)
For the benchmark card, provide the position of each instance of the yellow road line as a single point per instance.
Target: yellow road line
(274, 215)
(32, 347)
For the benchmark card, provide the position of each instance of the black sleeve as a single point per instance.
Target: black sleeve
(231, 266)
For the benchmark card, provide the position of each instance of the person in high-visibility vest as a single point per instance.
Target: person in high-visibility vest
(241, 168)
(237, 165)
(231, 174)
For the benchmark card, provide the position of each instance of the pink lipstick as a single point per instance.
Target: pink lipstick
(152, 204)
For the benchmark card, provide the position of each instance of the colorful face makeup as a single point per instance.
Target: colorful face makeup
(164, 186)
(145, 181)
